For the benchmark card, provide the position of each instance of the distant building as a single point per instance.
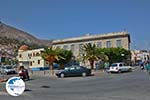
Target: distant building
(31, 58)
(139, 56)
(115, 39)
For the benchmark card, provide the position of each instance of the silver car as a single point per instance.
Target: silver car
(119, 67)
(7, 69)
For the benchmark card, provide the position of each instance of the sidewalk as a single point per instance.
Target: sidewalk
(98, 72)
(47, 73)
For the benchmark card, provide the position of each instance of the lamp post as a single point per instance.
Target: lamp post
(122, 55)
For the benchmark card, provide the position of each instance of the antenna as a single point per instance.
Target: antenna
(134, 45)
(0, 21)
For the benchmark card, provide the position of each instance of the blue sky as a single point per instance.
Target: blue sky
(58, 19)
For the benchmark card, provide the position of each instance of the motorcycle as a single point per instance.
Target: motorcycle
(24, 74)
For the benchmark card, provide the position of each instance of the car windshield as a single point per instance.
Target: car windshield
(113, 65)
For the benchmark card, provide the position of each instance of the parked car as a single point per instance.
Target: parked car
(7, 69)
(74, 70)
(119, 67)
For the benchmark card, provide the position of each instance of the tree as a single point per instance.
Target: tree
(117, 54)
(66, 54)
(51, 55)
(91, 53)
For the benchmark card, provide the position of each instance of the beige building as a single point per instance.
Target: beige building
(115, 39)
(31, 58)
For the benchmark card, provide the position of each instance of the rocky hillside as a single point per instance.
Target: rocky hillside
(10, 32)
(12, 38)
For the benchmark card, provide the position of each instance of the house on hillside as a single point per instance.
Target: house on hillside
(31, 59)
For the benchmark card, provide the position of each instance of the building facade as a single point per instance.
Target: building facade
(31, 58)
(139, 56)
(115, 39)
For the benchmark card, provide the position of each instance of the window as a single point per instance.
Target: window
(46, 62)
(66, 68)
(30, 63)
(72, 68)
(34, 54)
(38, 61)
(65, 47)
(37, 54)
(120, 65)
(58, 47)
(72, 48)
(118, 43)
(113, 65)
(108, 44)
(78, 67)
(80, 48)
(20, 55)
(29, 55)
(99, 44)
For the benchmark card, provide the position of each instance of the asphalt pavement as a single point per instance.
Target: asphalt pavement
(102, 86)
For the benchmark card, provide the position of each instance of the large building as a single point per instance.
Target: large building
(33, 60)
(115, 39)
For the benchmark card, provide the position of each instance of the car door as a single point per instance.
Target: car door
(123, 67)
(126, 68)
(72, 71)
(79, 70)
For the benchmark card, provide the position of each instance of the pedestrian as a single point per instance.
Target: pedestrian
(148, 67)
(106, 66)
(23, 73)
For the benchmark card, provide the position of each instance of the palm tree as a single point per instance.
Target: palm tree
(66, 54)
(90, 53)
(50, 55)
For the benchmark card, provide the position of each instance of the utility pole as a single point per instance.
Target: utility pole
(134, 51)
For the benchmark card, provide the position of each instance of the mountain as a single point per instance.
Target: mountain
(12, 38)
(10, 32)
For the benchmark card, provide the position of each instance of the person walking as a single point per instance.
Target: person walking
(148, 67)
(106, 66)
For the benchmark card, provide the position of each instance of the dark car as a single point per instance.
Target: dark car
(74, 71)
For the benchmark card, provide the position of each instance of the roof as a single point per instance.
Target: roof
(24, 47)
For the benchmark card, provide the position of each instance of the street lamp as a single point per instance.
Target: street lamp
(122, 55)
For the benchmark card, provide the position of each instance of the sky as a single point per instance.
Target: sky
(59, 19)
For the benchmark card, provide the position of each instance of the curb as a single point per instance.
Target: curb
(3, 80)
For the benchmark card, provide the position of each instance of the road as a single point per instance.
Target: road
(125, 86)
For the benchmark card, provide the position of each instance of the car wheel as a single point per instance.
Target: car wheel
(62, 75)
(83, 74)
(130, 70)
(119, 71)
